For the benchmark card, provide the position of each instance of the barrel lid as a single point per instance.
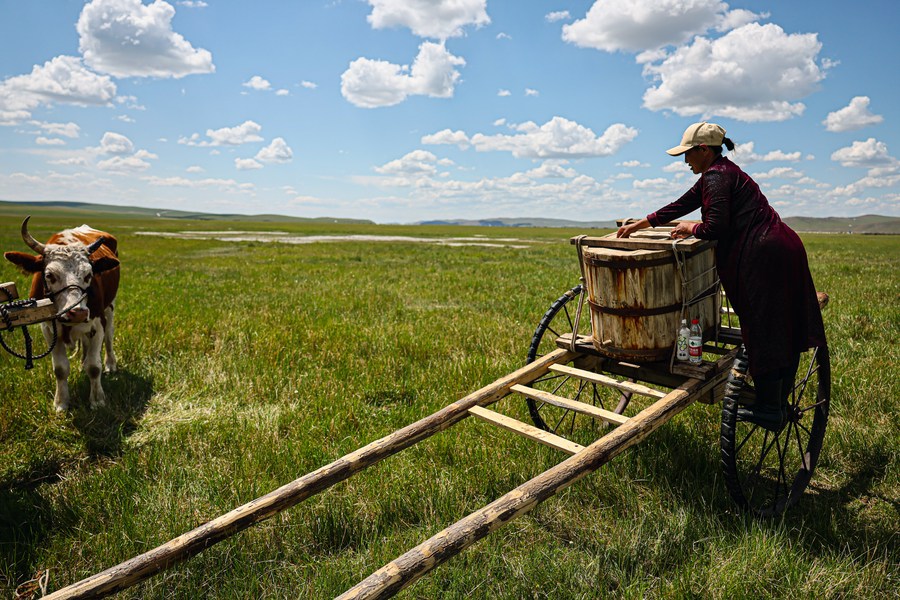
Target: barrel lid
(646, 239)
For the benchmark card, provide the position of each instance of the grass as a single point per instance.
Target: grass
(246, 365)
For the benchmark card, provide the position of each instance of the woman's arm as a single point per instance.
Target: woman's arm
(689, 202)
(717, 214)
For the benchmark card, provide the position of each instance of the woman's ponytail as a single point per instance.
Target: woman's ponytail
(728, 144)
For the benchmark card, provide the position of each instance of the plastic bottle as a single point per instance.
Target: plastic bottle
(695, 343)
(681, 345)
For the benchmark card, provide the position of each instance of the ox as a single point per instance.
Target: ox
(79, 270)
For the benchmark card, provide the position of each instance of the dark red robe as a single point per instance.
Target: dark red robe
(761, 262)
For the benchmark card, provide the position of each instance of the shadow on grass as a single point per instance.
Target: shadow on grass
(848, 520)
(106, 428)
(28, 517)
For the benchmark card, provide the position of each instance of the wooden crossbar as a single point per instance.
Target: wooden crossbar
(625, 386)
(526, 430)
(579, 407)
(43, 310)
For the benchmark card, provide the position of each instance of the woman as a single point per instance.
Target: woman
(761, 262)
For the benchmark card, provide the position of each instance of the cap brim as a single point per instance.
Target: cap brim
(678, 150)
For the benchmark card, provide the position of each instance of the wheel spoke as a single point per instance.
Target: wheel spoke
(747, 437)
(800, 450)
(812, 406)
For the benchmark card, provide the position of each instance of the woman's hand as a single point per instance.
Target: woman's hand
(682, 230)
(626, 230)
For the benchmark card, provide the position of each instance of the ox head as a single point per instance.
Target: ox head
(65, 270)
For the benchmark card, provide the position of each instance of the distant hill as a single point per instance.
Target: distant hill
(9, 207)
(864, 224)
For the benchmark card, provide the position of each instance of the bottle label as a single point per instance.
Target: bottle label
(695, 349)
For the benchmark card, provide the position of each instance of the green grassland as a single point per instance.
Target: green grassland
(244, 365)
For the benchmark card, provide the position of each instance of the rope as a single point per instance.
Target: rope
(578, 241)
(686, 299)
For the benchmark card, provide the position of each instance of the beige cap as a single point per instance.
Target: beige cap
(697, 134)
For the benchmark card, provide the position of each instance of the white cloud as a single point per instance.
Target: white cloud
(745, 154)
(123, 164)
(446, 136)
(45, 141)
(194, 169)
(503, 36)
(558, 15)
(779, 173)
(870, 153)
(375, 83)
(854, 116)
(751, 74)
(417, 162)
(246, 164)
(551, 169)
(257, 83)
(531, 92)
(127, 38)
(69, 130)
(437, 19)
(630, 164)
(638, 25)
(309, 85)
(654, 183)
(282, 92)
(62, 79)
(229, 185)
(276, 152)
(193, 3)
(245, 133)
(557, 138)
(116, 143)
(504, 93)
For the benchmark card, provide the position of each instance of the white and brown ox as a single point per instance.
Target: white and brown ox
(79, 270)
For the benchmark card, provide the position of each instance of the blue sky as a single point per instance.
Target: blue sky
(407, 110)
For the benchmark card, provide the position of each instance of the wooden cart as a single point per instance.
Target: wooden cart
(585, 403)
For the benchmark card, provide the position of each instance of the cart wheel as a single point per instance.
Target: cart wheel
(559, 319)
(766, 472)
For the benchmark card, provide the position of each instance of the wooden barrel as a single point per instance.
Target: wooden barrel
(636, 295)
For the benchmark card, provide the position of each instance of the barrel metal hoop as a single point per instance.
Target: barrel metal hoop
(627, 264)
(635, 312)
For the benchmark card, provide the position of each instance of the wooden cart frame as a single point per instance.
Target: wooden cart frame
(570, 357)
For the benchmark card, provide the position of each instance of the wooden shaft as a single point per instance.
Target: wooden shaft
(195, 541)
(412, 565)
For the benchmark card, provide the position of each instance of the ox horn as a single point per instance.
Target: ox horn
(95, 244)
(29, 240)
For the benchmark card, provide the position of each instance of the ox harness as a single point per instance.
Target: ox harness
(29, 357)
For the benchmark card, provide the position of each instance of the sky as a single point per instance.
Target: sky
(401, 111)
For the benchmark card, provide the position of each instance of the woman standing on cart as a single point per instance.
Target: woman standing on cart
(761, 262)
